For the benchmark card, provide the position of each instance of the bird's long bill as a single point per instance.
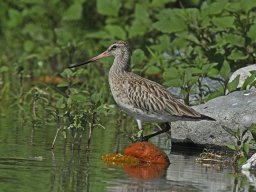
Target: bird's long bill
(102, 55)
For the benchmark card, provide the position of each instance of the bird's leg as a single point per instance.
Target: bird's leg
(165, 129)
(140, 133)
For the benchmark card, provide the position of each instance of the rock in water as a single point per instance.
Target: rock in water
(236, 110)
(147, 152)
(146, 171)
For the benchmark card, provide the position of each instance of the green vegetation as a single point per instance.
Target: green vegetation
(175, 43)
(243, 143)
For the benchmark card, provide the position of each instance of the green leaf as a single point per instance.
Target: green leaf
(64, 35)
(78, 98)
(64, 84)
(170, 25)
(214, 8)
(232, 147)
(252, 33)
(137, 56)
(213, 72)
(164, 42)
(74, 12)
(171, 73)
(232, 86)
(108, 7)
(32, 1)
(192, 80)
(195, 71)
(242, 160)
(237, 55)
(224, 22)
(141, 14)
(214, 94)
(15, 18)
(116, 31)
(228, 130)
(248, 5)
(4, 69)
(173, 83)
(28, 46)
(137, 29)
(234, 7)
(151, 70)
(67, 73)
(170, 21)
(60, 103)
(252, 130)
(160, 3)
(225, 70)
(98, 35)
(234, 39)
(248, 81)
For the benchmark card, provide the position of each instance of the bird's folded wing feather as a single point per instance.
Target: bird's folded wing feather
(150, 96)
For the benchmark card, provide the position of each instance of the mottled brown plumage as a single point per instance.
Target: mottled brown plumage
(145, 100)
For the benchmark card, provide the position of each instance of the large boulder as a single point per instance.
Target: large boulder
(236, 110)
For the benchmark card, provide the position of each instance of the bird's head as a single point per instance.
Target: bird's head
(116, 49)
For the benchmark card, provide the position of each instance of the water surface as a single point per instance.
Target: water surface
(28, 164)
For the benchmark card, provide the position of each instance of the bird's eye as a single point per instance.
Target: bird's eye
(114, 47)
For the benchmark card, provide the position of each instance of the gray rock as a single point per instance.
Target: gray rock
(236, 110)
(209, 85)
(244, 73)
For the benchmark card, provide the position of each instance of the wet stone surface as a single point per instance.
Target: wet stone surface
(236, 110)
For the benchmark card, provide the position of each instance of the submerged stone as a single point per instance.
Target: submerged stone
(117, 159)
(146, 171)
(147, 152)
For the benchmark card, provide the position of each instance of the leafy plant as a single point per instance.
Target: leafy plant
(243, 143)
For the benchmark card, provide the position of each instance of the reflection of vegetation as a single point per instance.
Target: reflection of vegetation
(177, 43)
(211, 158)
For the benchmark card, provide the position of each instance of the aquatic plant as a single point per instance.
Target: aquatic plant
(243, 143)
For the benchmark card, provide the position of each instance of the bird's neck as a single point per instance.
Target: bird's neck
(121, 64)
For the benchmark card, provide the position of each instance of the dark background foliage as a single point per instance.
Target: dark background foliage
(177, 43)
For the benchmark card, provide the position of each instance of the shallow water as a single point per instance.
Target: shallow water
(28, 164)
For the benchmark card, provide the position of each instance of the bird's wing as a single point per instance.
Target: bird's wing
(153, 97)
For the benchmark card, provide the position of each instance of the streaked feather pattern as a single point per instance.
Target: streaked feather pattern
(142, 98)
(152, 97)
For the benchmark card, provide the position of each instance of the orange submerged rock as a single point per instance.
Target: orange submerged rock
(147, 152)
(146, 171)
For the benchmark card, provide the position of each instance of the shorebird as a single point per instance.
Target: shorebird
(143, 99)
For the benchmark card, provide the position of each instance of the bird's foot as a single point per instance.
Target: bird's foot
(144, 138)
(138, 137)
(165, 129)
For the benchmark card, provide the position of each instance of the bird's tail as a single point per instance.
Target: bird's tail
(205, 117)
